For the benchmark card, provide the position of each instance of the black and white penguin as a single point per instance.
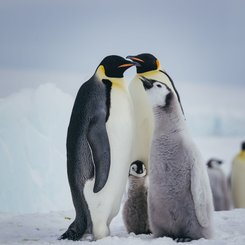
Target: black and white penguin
(238, 178)
(219, 185)
(99, 143)
(148, 66)
(135, 207)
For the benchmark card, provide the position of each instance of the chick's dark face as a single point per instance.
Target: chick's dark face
(145, 62)
(115, 65)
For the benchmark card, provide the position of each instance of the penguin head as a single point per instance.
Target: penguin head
(214, 162)
(145, 62)
(159, 93)
(115, 66)
(137, 169)
(243, 146)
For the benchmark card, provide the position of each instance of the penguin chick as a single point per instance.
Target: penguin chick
(135, 208)
(179, 195)
(219, 185)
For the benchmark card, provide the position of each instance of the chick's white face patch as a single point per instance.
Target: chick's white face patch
(137, 172)
(158, 94)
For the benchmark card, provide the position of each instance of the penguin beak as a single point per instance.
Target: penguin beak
(126, 65)
(135, 60)
(146, 83)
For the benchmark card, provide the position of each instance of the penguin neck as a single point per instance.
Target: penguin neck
(242, 154)
(135, 183)
(116, 82)
(169, 119)
(148, 74)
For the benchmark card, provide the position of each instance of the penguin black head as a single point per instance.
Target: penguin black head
(115, 66)
(145, 62)
(243, 146)
(137, 169)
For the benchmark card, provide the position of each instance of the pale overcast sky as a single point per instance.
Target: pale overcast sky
(201, 41)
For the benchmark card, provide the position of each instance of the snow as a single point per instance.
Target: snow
(33, 125)
(46, 228)
(34, 189)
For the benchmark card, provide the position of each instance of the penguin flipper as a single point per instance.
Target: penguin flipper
(201, 194)
(100, 147)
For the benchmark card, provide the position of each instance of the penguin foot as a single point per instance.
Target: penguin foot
(70, 235)
(183, 239)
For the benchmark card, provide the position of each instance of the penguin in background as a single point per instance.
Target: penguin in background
(147, 66)
(134, 212)
(219, 185)
(180, 201)
(99, 142)
(238, 178)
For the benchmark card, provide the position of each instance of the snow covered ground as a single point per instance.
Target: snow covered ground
(46, 228)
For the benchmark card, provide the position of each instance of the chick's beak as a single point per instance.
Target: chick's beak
(146, 83)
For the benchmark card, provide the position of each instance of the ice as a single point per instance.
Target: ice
(206, 122)
(33, 126)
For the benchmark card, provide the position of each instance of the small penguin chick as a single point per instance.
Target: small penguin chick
(219, 185)
(135, 215)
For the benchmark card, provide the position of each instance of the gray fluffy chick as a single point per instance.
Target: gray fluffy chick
(135, 215)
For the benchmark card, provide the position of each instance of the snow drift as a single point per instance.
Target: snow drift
(33, 126)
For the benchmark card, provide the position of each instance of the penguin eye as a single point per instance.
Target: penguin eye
(159, 85)
(134, 168)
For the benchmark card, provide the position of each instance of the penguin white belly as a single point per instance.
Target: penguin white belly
(143, 122)
(105, 204)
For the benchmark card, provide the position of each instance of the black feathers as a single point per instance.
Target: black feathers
(108, 85)
(171, 81)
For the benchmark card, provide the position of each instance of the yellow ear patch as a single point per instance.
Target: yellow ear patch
(102, 69)
(158, 64)
(101, 72)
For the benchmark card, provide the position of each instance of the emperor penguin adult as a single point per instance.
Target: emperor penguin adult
(99, 142)
(219, 185)
(134, 212)
(148, 66)
(238, 178)
(180, 201)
